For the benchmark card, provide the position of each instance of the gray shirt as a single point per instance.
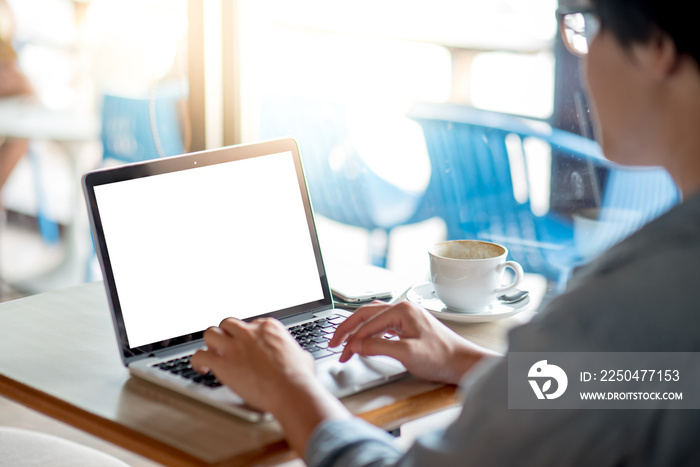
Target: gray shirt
(639, 296)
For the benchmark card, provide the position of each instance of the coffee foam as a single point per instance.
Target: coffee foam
(468, 250)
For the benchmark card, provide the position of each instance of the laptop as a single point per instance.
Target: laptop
(186, 241)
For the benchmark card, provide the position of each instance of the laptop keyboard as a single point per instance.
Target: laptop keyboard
(182, 366)
(312, 337)
(315, 335)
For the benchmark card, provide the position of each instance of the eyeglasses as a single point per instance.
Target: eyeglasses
(578, 27)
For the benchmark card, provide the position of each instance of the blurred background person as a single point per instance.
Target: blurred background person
(13, 83)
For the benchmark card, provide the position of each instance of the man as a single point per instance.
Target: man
(643, 75)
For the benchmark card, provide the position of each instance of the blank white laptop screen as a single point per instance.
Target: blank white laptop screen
(190, 248)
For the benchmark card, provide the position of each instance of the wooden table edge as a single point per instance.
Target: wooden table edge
(95, 425)
(394, 415)
(389, 417)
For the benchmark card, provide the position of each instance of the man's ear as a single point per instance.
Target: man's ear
(659, 55)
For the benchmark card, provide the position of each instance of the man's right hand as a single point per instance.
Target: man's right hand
(426, 347)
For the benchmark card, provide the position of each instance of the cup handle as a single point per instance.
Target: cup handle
(518, 276)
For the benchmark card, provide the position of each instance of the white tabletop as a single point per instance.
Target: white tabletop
(58, 355)
(22, 117)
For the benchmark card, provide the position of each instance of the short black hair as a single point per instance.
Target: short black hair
(636, 21)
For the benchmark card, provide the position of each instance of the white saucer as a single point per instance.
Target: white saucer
(424, 295)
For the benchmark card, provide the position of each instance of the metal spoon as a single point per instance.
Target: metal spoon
(513, 297)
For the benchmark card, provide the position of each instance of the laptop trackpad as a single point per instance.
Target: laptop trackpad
(358, 373)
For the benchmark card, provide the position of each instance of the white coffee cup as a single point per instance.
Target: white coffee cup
(468, 274)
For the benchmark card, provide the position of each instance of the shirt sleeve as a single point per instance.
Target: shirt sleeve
(350, 442)
(488, 433)
(633, 299)
(354, 442)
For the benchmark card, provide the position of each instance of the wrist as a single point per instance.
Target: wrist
(465, 355)
(303, 407)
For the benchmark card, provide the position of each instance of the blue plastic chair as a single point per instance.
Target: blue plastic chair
(48, 228)
(631, 198)
(140, 129)
(471, 186)
(342, 186)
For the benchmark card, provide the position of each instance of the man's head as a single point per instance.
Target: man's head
(643, 77)
(637, 21)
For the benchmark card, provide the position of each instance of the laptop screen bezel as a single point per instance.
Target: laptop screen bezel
(190, 161)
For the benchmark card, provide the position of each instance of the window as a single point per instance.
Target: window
(458, 119)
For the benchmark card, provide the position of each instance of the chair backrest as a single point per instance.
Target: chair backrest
(341, 185)
(473, 175)
(139, 129)
(631, 198)
(471, 186)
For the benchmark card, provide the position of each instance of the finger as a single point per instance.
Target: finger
(216, 340)
(269, 324)
(231, 326)
(346, 354)
(397, 349)
(354, 321)
(391, 320)
(204, 361)
(271, 330)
